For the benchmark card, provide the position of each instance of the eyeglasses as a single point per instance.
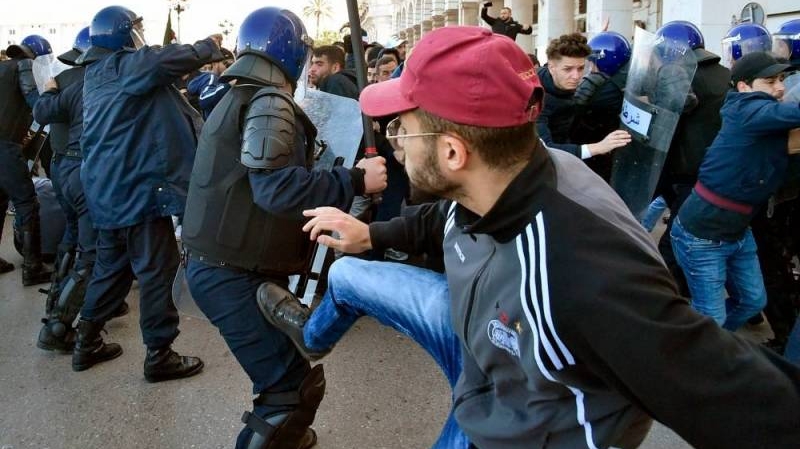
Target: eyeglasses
(396, 134)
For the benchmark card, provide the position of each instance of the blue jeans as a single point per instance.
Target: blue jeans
(792, 351)
(713, 267)
(411, 300)
(653, 212)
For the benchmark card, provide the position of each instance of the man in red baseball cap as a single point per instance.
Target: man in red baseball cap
(557, 322)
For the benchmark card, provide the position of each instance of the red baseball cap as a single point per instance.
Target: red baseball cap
(466, 75)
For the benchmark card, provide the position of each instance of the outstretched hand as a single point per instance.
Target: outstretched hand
(352, 235)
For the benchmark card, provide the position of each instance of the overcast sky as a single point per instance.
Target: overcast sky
(200, 19)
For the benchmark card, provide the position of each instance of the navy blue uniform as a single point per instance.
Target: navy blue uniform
(227, 294)
(138, 144)
(63, 107)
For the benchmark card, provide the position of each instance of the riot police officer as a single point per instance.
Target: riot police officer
(19, 94)
(598, 98)
(698, 126)
(138, 147)
(61, 106)
(243, 223)
(786, 44)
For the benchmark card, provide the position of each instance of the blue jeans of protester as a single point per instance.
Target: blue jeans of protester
(724, 278)
(411, 300)
(653, 212)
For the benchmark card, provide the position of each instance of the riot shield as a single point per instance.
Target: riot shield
(791, 84)
(45, 67)
(339, 132)
(658, 83)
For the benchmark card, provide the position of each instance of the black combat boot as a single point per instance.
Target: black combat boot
(5, 266)
(280, 307)
(90, 349)
(33, 270)
(165, 364)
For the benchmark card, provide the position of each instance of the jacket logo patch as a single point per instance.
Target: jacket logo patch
(504, 337)
(460, 253)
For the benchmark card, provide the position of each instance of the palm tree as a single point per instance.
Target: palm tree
(317, 9)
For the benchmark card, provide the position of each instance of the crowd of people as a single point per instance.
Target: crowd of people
(501, 182)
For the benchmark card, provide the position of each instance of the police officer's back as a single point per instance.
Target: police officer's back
(138, 146)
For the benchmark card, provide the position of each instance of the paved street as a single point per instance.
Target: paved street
(383, 391)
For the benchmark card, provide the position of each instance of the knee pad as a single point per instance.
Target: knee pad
(287, 429)
(70, 301)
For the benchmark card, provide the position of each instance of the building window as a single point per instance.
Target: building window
(12, 32)
(52, 31)
(581, 6)
(580, 25)
(535, 17)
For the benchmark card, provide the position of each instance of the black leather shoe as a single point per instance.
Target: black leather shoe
(90, 349)
(287, 314)
(165, 364)
(5, 266)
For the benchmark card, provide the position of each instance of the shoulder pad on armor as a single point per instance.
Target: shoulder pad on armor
(269, 130)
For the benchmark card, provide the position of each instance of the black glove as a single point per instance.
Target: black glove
(587, 88)
(487, 4)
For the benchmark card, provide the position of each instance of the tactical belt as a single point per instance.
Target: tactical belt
(279, 278)
(721, 201)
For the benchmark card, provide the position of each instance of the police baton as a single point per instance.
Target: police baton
(361, 77)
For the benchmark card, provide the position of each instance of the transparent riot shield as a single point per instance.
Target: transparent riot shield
(45, 67)
(339, 132)
(736, 47)
(658, 84)
(791, 84)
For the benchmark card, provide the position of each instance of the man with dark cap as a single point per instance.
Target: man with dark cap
(746, 163)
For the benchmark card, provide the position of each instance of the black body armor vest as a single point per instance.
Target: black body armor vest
(15, 114)
(222, 225)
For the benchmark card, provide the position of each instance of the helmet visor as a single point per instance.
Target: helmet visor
(303, 82)
(137, 34)
(782, 44)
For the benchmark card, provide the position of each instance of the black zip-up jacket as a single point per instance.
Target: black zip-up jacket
(508, 28)
(554, 123)
(573, 331)
(342, 83)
